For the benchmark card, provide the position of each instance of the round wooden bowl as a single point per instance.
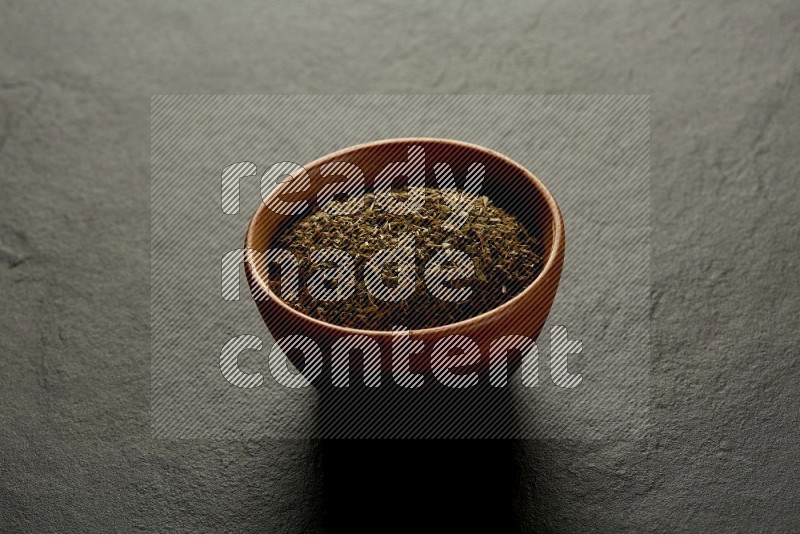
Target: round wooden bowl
(506, 183)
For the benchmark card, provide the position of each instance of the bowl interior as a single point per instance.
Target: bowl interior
(506, 183)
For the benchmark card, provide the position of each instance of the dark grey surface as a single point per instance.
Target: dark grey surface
(75, 451)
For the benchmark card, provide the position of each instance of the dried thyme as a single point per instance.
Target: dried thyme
(506, 258)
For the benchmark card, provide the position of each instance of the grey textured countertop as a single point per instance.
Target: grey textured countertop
(75, 87)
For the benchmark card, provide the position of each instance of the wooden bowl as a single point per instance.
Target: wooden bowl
(506, 183)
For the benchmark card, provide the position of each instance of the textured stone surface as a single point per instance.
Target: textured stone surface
(75, 87)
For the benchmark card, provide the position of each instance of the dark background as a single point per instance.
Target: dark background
(75, 86)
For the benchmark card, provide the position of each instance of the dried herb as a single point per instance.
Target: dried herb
(506, 258)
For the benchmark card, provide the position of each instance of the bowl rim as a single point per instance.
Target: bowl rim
(550, 264)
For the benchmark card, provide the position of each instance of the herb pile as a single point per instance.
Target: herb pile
(506, 258)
